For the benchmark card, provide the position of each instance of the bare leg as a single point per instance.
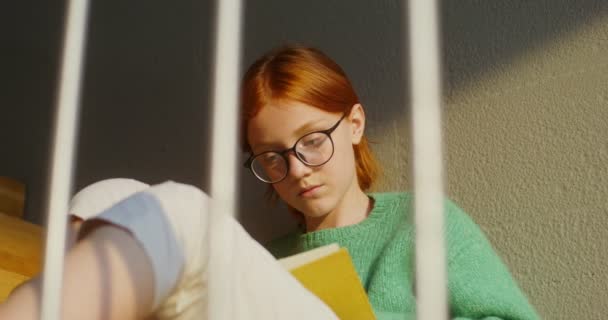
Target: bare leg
(113, 273)
(107, 276)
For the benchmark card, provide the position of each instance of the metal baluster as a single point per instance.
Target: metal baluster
(62, 162)
(224, 154)
(431, 274)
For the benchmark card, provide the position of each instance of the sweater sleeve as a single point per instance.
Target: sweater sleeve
(480, 285)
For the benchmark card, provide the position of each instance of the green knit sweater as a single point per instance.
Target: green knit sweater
(382, 248)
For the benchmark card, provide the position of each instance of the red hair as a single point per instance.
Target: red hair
(305, 75)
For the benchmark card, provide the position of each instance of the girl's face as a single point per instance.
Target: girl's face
(314, 191)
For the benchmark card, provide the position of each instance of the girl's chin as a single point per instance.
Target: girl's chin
(314, 215)
(315, 209)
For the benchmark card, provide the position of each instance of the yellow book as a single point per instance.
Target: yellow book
(329, 273)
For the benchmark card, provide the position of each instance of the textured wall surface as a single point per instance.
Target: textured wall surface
(526, 114)
(527, 156)
(145, 91)
(28, 66)
(526, 126)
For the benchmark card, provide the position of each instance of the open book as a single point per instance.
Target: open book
(329, 273)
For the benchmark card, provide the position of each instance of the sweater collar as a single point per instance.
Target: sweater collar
(383, 204)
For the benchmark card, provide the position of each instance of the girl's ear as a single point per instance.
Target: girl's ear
(357, 122)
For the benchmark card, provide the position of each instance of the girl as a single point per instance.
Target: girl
(303, 127)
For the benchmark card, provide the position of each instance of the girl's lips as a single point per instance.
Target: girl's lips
(309, 192)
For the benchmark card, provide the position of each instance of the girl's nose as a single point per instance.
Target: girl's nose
(297, 168)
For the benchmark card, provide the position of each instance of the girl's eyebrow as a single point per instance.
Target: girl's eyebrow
(306, 128)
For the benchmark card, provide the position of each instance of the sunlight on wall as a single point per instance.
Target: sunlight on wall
(527, 158)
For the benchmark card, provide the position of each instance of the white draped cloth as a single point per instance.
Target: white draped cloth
(171, 221)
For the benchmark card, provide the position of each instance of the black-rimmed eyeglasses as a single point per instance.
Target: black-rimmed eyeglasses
(313, 149)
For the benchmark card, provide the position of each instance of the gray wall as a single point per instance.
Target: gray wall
(144, 96)
(525, 118)
(526, 125)
(28, 52)
(146, 90)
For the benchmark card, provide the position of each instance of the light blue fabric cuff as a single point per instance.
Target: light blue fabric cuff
(143, 216)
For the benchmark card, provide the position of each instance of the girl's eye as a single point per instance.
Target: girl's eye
(312, 142)
(270, 159)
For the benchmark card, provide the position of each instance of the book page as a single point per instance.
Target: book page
(303, 258)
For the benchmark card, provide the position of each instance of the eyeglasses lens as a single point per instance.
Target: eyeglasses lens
(313, 149)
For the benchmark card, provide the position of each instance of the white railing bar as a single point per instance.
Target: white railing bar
(224, 154)
(62, 161)
(431, 274)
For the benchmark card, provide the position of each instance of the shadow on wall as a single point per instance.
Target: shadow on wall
(143, 106)
(482, 36)
(30, 39)
(147, 80)
(145, 91)
(366, 38)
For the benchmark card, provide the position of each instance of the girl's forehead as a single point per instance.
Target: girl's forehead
(279, 124)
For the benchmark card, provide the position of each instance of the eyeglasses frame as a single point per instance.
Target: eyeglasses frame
(328, 132)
